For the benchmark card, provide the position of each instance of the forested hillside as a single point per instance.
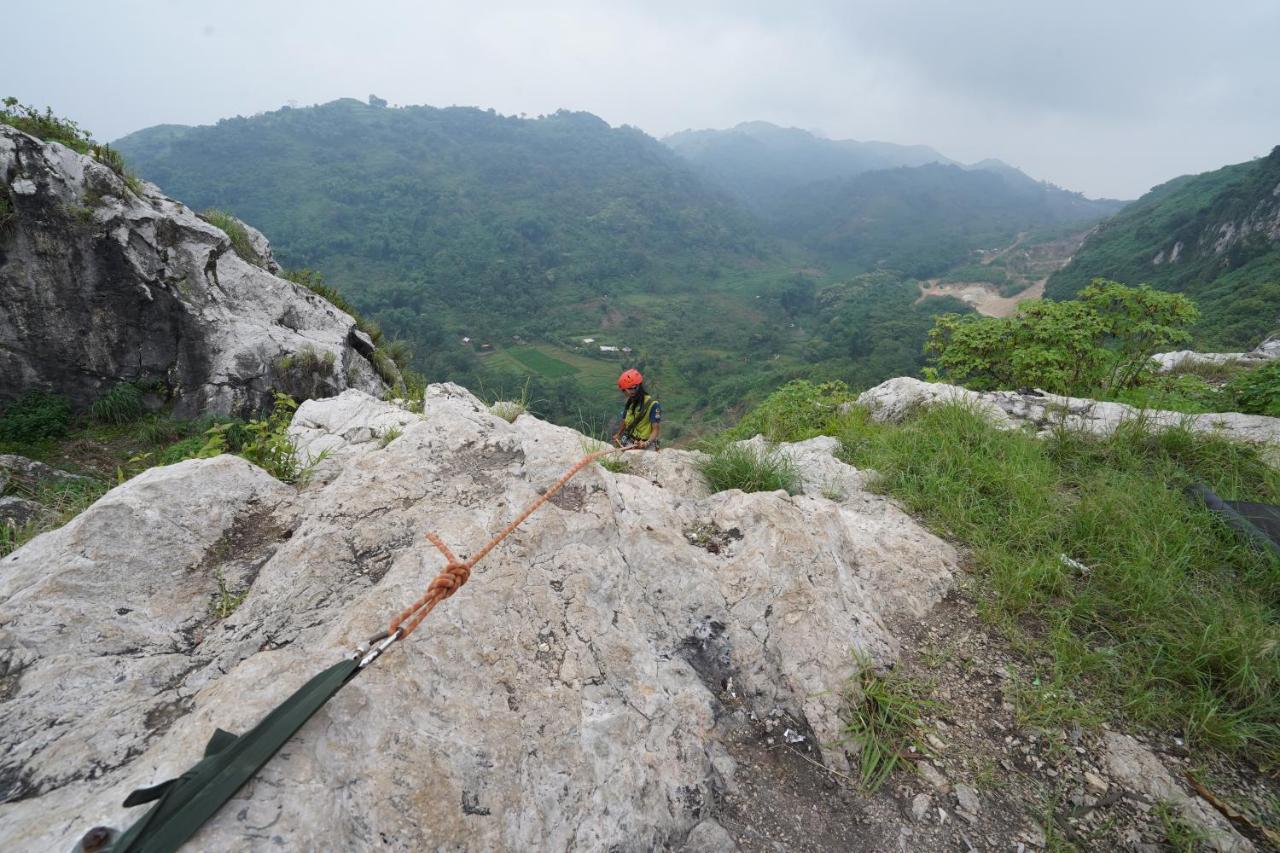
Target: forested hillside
(922, 221)
(1214, 237)
(533, 257)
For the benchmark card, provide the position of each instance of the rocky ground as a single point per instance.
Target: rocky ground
(642, 666)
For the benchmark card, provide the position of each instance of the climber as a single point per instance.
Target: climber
(642, 415)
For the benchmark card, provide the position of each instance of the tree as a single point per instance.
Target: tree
(1101, 341)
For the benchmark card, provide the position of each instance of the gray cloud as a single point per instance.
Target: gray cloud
(1104, 97)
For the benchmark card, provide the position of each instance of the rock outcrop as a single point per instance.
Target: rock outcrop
(101, 284)
(1266, 351)
(599, 684)
(894, 399)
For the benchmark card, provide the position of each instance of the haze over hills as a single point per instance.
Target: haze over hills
(533, 235)
(759, 162)
(1214, 237)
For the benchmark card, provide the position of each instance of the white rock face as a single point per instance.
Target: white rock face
(1263, 352)
(1138, 769)
(893, 400)
(100, 285)
(580, 693)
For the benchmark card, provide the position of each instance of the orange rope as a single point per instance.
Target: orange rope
(456, 572)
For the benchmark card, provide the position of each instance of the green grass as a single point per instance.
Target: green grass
(742, 467)
(1173, 623)
(63, 500)
(881, 721)
(121, 405)
(541, 363)
(235, 232)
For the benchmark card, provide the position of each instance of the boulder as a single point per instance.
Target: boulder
(579, 693)
(16, 511)
(101, 284)
(29, 473)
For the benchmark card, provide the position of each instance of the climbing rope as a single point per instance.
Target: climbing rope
(183, 804)
(456, 572)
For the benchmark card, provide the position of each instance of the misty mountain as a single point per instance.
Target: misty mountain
(1213, 236)
(759, 162)
(920, 221)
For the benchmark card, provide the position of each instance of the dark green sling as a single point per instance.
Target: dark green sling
(229, 761)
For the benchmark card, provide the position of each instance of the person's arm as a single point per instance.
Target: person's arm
(653, 436)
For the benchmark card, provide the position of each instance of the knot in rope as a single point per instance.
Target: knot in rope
(457, 572)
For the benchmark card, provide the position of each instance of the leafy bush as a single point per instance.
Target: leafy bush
(236, 233)
(1102, 340)
(187, 448)
(37, 416)
(742, 467)
(45, 125)
(796, 411)
(121, 405)
(264, 442)
(1257, 391)
(7, 213)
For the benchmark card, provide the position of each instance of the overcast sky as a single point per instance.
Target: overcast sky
(1108, 98)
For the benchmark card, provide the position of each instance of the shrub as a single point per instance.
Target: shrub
(1104, 339)
(7, 213)
(45, 125)
(121, 405)
(36, 416)
(796, 411)
(739, 466)
(1257, 391)
(236, 233)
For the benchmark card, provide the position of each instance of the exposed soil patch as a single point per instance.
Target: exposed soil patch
(711, 538)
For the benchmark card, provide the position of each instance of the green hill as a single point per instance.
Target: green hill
(1214, 237)
(922, 221)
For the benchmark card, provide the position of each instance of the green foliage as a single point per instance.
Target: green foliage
(743, 467)
(7, 213)
(36, 416)
(121, 405)
(1257, 391)
(226, 601)
(236, 233)
(62, 500)
(1230, 270)
(881, 720)
(796, 411)
(1171, 620)
(1101, 341)
(45, 125)
(266, 442)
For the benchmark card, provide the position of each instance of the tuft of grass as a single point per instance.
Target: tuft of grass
(225, 601)
(508, 410)
(1179, 834)
(1171, 622)
(882, 719)
(64, 500)
(45, 126)
(390, 436)
(615, 462)
(742, 467)
(7, 213)
(35, 417)
(236, 233)
(121, 405)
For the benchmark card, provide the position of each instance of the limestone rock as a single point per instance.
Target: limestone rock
(329, 430)
(99, 285)
(895, 399)
(1263, 352)
(569, 697)
(29, 473)
(1138, 769)
(16, 511)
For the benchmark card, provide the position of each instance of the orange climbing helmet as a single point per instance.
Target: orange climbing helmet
(629, 379)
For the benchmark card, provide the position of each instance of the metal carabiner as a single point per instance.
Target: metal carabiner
(378, 644)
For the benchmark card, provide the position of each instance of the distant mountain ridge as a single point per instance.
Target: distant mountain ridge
(1213, 236)
(758, 161)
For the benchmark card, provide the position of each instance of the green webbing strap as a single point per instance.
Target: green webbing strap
(187, 802)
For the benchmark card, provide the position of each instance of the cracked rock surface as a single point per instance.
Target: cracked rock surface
(100, 285)
(894, 399)
(596, 685)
